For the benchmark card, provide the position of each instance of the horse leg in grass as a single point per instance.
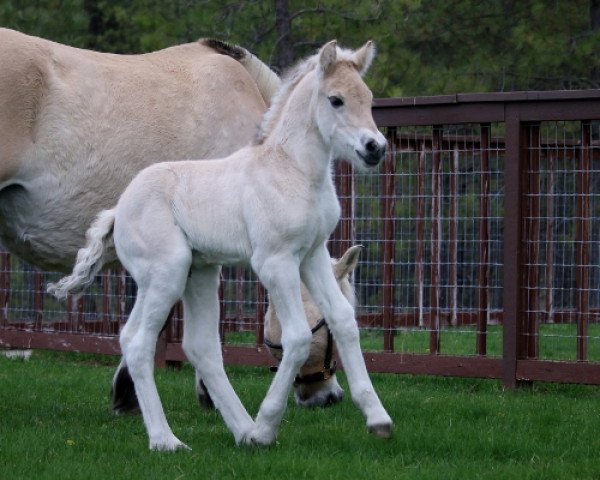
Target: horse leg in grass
(123, 395)
(202, 347)
(204, 398)
(124, 400)
(160, 272)
(138, 346)
(320, 281)
(281, 278)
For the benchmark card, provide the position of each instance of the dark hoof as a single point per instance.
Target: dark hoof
(124, 399)
(383, 430)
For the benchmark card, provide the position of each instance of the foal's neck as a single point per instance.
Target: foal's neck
(297, 133)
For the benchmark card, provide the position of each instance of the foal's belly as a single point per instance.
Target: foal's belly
(221, 246)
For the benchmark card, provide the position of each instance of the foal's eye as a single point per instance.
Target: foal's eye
(336, 102)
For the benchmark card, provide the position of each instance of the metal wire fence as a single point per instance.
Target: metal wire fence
(481, 248)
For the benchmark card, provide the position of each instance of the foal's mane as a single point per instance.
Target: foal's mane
(291, 78)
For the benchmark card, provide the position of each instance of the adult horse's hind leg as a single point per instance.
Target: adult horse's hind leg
(123, 395)
(320, 281)
(204, 398)
(202, 347)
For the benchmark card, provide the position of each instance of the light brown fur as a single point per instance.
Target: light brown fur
(77, 125)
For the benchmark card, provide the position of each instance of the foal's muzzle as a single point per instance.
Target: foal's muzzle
(372, 152)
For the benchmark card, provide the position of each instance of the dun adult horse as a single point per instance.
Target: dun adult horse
(272, 204)
(76, 126)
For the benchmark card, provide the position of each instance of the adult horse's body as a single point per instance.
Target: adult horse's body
(272, 204)
(76, 126)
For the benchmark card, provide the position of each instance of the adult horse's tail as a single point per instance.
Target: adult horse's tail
(266, 79)
(90, 258)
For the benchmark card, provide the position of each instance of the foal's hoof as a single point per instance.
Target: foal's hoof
(258, 438)
(381, 430)
(169, 445)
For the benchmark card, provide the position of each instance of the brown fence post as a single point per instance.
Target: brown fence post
(436, 237)
(38, 300)
(512, 276)
(420, 234)
(582, 276)
(484, 244)
(261, 297)
(160, 355)
(343, 235)
(389, 240)
(4, 286)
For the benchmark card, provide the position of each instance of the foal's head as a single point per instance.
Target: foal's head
(344, 106)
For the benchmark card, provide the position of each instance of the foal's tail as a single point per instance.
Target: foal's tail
(90, 259)
(266, 79)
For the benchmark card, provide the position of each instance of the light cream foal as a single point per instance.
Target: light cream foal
(273, 205)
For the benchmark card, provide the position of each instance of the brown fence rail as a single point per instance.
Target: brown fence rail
(482, 250)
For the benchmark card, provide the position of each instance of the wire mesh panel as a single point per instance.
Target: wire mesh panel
(481, 255)
(561, 236)
(445, 253)
(26, 306)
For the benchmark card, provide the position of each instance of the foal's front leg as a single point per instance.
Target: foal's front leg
(281, 278)
(320, 281)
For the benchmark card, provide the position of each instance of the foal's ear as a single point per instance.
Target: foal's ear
(364, 57)
(328, 56)
(348, 262)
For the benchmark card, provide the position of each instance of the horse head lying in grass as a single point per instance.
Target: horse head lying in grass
(272, 204)
(316, 384)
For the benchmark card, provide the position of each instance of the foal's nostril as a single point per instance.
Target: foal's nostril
(371, 146)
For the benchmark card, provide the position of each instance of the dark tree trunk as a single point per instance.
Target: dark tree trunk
(283, 22)
(595, 25)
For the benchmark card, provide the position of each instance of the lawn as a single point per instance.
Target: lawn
(556, 341)
(55, 423)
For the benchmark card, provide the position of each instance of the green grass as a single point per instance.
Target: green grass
(557, 341)
(55, 422)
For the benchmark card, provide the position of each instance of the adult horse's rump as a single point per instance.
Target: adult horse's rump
(76, 126)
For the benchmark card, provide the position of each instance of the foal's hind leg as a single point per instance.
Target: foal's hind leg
(203, 348)
(155, 298)
(320, 281)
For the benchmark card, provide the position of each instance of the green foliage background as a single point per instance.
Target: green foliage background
(426, 47)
